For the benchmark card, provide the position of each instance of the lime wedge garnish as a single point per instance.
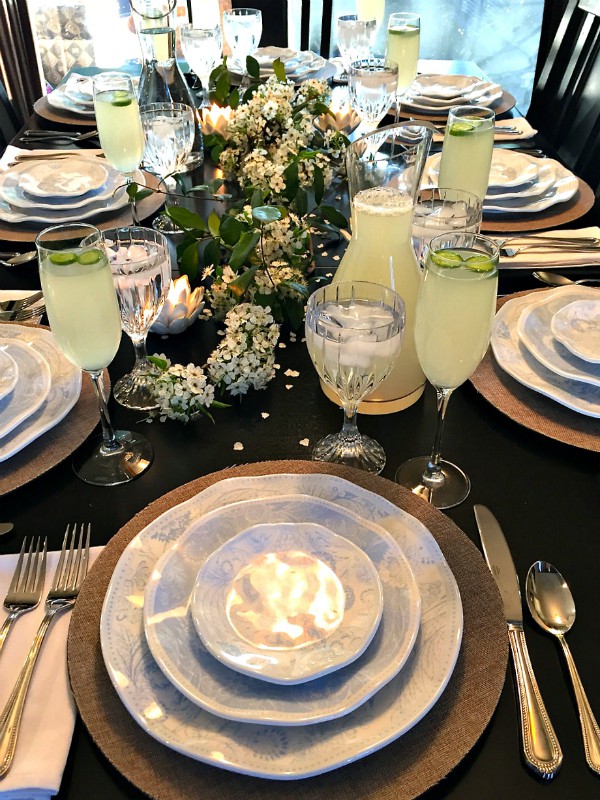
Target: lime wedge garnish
(479, 263)
(63, 258)
(89, 257)
(446, 258)
(461, 128)
(121, 98)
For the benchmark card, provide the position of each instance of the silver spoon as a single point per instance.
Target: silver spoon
(553, 279)
(18, 259)
(552, 606)
(6, 527)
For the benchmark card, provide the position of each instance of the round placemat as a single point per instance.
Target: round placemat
(552, 217)
(43, 109)
(504, 104)
(532, 409)
(14, 232)
(400, 771)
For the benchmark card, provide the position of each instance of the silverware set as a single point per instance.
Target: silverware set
(24, 594)
(509, 248)
(57, 136)
(21, 310)
(551, 605)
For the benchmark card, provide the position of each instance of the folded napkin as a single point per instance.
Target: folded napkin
(523, 126)
(49, 715)
(542, 257)
(12, 152)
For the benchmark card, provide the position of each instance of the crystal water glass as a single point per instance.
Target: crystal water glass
(202, 47)
(242, 29)
(372, 89)
(355, 39)
(467, 149)
(141, 266)
(353, 334)
(454, 313)
(403, 41)
(169, 130)
(442, 210)
(82, 308)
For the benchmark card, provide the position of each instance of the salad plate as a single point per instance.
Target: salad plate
(193, 670)
(72, 176)
(9, 372)
(287, 602)
(31, 388)
(445, 87)
(272, 751)
(577, 327)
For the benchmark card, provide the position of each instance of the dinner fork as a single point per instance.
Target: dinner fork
(563, 247)
(26, 586)
(16, 306)
(68, 577)
(23, 316)
(56, 136)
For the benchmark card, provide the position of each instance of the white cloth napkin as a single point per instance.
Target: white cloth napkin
(12, 152)
(49, 715)
(523, 126)
(541, 257)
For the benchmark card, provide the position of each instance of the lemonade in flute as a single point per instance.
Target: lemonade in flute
(83, 312)
(467, 150)
(455, 309)
(118, 122)
(403, 40)
(371, 9)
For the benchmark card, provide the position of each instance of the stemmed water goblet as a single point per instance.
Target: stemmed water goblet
(372, 88)
(82, 308)
(353, 334)
(440, 210)
(355, 39)
(141, 267)
(454, 313)
(242, 29)
(169, 130)
(202, 46)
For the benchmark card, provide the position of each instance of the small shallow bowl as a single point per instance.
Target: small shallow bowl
(287, 603)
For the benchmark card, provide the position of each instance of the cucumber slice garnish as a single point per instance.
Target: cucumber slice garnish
(479, 263)
(89, 257)
(446, 258)
(461, 128)
(63, 258)
(121, 98)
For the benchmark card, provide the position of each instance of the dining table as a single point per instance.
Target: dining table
(544, 491)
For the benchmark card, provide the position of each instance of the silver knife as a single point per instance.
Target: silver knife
(540, 746)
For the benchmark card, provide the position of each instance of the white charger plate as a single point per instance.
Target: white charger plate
(535, 331)
(514, 358)
(577, 327)
(72, 176)
(272, 751)
(287, 602)
(9, 372)
(31, 389)
(13, 192)
(187, 664)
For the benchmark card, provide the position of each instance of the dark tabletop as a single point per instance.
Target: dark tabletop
(545, 494)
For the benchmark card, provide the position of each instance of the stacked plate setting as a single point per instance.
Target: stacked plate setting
(519, 184)
(68, 189)
(549, 342)
(213, 647)
(38, 386)
(437, 94)
(298, 64)
(75, 95)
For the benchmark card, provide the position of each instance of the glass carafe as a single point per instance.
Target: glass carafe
(161, 80)
(384, 174)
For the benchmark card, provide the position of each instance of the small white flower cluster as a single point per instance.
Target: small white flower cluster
(182, 393)
(245, 358)
(283, 237)
(271, 282)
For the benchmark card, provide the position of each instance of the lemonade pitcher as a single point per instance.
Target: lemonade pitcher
(384, 174)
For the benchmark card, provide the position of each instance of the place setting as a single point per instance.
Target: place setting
(430, 97)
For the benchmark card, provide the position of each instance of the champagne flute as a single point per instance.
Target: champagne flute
(82, 308)
(455, 309)
(353, 334)
(467, 150)
(141, 267)
(355, 39)
(202, 47)
(242, 29)
(403, 39)
(372, 88)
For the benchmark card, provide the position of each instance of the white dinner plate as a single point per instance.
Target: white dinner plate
(72, 176)
(486, 97)
(187, 664)
(577, 326)
(32, 386)
(535, 331)
(508, 169)
(9, 372)
(445, 87)
(273, 751)
(13, 192)
(515, 359)
(287, 602)
(60, 100)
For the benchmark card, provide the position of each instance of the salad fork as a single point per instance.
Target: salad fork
(25, 589)
(511, 252)
(68, 577)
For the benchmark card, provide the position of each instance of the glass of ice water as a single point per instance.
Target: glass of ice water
(372, 89)
(443, 210)
(355, 39)
(202, 47)
(242, 29)
(169, 131)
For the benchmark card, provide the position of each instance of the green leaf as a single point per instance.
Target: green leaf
(318, 183)
(142, 194)
(293, 312)
(301, 201)
(257, 198)
(243, 249)
(331, 214)
(243, 281)
(213, 139)
(212, 253)
(234, 98)
(283, 211)
(248, 93)
(219, 404)
(214, 224)
(190, 261)
(215, 153)
(292, 182)
(222, 87)
(279, 70)
(306, 155)
(253, 67)
(231, 230)
(158, 362)
(185, 218)
(266, 214)
(321, 108)
(132, 190)
(296, 287)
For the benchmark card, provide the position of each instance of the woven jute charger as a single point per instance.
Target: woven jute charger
(531, 409)
(402, 770)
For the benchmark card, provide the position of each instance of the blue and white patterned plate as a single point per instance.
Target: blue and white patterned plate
(271, 751)
(192, 669)
(286, 602)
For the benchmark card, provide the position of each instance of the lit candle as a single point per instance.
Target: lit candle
(182, 307)
(216, 119)
(344, 118)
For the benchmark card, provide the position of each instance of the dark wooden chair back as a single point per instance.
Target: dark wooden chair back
(9, 121)
(565, 105)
